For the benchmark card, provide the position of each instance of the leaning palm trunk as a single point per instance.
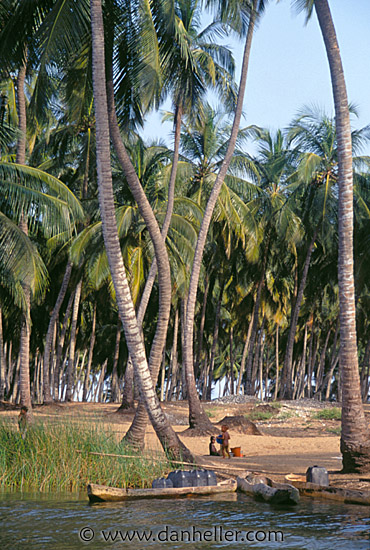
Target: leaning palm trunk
(136, 432)
(197, 416)
(161, 257)
(167, 220)
(164, 274)
(355, 437)
(127, 401)
(167, 436)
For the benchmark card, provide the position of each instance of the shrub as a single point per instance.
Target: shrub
(259, 415)
(333, 413)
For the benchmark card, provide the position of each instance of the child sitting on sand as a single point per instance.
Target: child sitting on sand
(212, 447)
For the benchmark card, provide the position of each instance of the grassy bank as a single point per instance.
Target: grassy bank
(58, 458)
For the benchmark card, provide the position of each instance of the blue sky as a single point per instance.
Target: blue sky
(288, 66)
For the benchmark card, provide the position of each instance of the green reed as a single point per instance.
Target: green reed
(57, 457)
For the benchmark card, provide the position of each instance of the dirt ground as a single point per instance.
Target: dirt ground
(292, 439)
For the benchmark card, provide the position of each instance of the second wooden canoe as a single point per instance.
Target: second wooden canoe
(348, 496)
(102, 493)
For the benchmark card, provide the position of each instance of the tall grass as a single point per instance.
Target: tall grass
(48, 459)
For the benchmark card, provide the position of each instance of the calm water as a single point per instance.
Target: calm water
(36, 521)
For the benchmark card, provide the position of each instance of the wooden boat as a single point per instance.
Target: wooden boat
(263, 488)
(102, 493)
(348, 496)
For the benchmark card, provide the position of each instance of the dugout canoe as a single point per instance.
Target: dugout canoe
(264, 489)
(102, 493)
(348, 496)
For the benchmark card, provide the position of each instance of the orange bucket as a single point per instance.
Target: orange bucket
(236, 451)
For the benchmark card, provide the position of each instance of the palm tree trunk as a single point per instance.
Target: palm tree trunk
(321, 368)
(2, 359)
(365, 372)
(115, 390)
(330, 376)
(184, 392)
(244, 354)
(164, 274)
(333, 362)
(261, 368)
(197, 415)
(276, 362)
(257, 356)
(50, 333)
(301, 381)
(205, 378)
(163, 375)
(214, 342)
(355, 437)
(58, 360)
(72, 344)
(99, 391)
(157, 237)
(201, 326)
(127, 401)
(167, 220)
(231, 344)
(10, 372)
(312, 353)
(165, 433)
(287, 390)
(24, 346)
(254, 321)
(174, 355)
(90, 356)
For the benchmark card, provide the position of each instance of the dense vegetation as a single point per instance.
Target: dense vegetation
(265, 297)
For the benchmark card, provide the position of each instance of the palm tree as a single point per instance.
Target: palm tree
(189, 63)
(274, 167)
(313, 135)
(197, 416)
(355, 438)
(167, 436)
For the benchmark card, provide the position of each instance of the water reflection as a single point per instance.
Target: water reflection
(49, 521)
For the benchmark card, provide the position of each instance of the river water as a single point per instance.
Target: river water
(67, 521)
